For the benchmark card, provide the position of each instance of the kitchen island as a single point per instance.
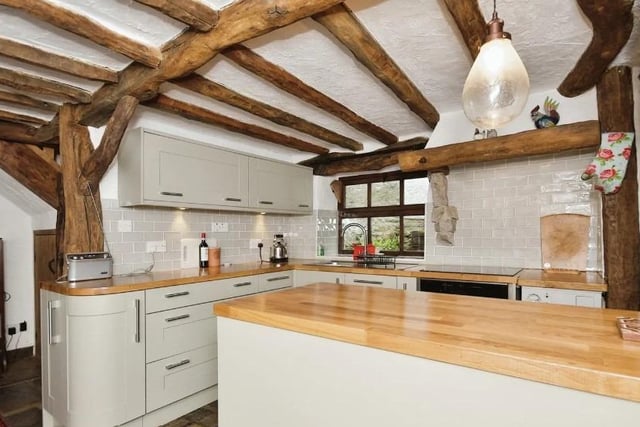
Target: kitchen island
(336, 355)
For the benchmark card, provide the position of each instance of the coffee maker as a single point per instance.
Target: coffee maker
(278, 252)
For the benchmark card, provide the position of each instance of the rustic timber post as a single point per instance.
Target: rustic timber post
(82, 231)
(621, 237)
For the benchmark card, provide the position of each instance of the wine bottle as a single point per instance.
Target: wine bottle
(204, 251)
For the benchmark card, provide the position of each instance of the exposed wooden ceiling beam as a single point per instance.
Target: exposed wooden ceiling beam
(28, 101)
(240, 21)
(206, 87)
(284, 80)
(43, 86)
(86, 27)
(30, 170)
(28, 134)
(612, 22)
(192, 112)
(21, 118)
(335, 163)
(528, 143)
(191, 12)
(35, 55)
(470, 22)
(343, 24)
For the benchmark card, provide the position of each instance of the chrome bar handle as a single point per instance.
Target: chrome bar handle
(232, 199)
(177, 364)
(137, 334)
(237, 285)
(50, 321)
(173, 319)
(177, 294)
(303, 206)
(169, 193)
(368, 282)
(273, 279)
(265, 202)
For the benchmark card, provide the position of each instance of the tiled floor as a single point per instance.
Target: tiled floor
(20, 399)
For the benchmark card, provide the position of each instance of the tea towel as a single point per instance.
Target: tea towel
(610, 164)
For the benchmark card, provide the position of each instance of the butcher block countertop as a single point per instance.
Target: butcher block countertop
(118, 284)
(573, 347)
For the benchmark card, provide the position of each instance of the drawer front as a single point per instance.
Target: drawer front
(196, 293)
(177, 377)
(278, 280)
(175, 331)
(370, 280)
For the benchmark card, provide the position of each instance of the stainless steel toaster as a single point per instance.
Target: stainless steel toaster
(89, 266)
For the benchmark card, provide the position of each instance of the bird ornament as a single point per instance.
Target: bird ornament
(549, 118)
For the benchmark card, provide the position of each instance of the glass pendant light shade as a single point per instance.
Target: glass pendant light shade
(497, 86)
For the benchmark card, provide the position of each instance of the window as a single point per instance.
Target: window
(384, 209)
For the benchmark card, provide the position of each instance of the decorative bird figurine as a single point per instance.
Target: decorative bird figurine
(551, 116)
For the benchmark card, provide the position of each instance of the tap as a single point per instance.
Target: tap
(361, 227)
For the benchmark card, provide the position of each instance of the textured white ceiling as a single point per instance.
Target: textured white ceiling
(418, 34)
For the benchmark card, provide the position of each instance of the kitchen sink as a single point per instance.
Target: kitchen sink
(354, 264)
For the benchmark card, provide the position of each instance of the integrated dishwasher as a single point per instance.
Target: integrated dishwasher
(473, 287)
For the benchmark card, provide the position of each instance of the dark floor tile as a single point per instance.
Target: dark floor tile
(20, 370)
(29, 418)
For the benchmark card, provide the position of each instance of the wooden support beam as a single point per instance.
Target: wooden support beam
(612, 22)
(191, 12)
(28, 134)
(470, 22)
(44, 58)
(206, 87)
(284, 80)
(528, 143)
(10, 116)
(345, 27)
(98, 162)
(31, 170)
(239, 21)
(192, 112)
(43, 86)
(335, 163)
(620, 223)
(83, 26)
(82, 231)
(28, 101)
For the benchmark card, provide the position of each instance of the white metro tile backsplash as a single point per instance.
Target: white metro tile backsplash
(500, 204)
(154, 223)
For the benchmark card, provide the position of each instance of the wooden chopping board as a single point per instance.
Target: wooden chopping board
(565, 241)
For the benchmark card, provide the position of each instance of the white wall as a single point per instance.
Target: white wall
(16, 232)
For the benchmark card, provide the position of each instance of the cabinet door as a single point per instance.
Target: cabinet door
(280, 186)
(370, 280)
(54, 354)
(302, 277)
(277, 280)
(194, 174)
(106, 359)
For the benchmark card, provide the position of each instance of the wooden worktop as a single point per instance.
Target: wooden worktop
(118, 284)
(573, 347)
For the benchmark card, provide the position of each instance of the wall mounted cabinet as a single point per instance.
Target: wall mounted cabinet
(163, 170)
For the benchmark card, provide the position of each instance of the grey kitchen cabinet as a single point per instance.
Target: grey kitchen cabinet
(380, 281)
(278, 186)
(159, 169)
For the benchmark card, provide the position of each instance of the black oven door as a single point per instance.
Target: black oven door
(478, 289)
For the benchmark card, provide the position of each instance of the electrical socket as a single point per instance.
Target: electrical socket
(23, 326)
(11, 330)
(220, 226)
(156, 246)
(253, 243)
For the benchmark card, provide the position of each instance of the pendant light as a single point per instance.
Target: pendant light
(497, 86)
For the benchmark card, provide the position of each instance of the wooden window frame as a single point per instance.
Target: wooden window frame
(369, 212)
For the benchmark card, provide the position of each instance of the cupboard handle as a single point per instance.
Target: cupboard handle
(137, 334)
(173, 319)
(177, 364)
(50, 321)
(265, 202)
(303, 206)
(169, 193)
(368, 282)
(273, 279)
(177, 294)
(237, 285)
(232, 199)
(404, 286)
